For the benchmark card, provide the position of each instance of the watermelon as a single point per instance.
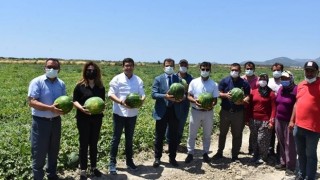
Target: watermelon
(64, 103)
(206, 100)
(133, 100)
(177, 90)
(73, 160)
(95, 105)
(185, 84)
(236, 94)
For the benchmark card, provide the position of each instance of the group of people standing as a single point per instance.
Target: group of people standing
(269, 104)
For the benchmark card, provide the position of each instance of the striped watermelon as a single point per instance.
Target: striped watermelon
(95, 105)
(64, 103)
(177, 90)
(236, 94)
(133, 100)
(206, 100)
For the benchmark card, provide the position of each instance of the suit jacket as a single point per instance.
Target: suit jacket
(159, 90)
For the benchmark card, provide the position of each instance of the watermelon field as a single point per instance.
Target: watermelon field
(15, 115)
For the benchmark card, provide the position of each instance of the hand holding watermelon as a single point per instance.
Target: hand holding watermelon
(95, 105)
(133, 100)
(63, 105)
(176, 92)
(206, 100)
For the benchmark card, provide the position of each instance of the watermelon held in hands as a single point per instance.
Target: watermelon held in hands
(177, 90)
(133, 100)
(73, 160)
(95, 105)
(236, 94)
(185, 84)
(206, 100)
(64, 103)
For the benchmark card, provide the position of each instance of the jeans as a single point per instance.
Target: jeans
(89, 131)
(45, 140)
(120, 123)
(306, 145)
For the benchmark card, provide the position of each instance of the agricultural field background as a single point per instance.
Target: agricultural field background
(15, 114)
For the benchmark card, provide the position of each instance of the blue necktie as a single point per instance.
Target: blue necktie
(169, 80)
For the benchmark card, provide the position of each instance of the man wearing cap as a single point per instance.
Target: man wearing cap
(305, 121)
(185, 104)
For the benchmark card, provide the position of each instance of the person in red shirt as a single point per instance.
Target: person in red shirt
(305, 121)
(262, 110)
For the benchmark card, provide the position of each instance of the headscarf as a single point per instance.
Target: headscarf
(264, 91)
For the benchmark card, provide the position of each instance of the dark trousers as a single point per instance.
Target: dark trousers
(120, 123)
(45, 140)
(89, 132)
(171, 121)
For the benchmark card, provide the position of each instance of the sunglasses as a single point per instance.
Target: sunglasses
(205, 69)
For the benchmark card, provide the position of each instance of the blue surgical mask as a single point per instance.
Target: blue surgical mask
(205, 73)
(183, 69)
(276, 74)
(51, 73)
(310, 80)
(168, 70)
(249, 72)
(263, 83)
(286, 83)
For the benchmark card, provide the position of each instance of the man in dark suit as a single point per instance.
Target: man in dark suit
(166, 111)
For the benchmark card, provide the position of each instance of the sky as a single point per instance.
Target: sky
(221, 31)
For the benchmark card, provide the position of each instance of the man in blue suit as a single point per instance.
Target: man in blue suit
(166, 111)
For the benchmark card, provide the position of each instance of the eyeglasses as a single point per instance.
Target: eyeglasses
(205, 69)
(235, 70)
(249, 68)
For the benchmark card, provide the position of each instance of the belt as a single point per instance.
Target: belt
(201, 109)
(48, 119)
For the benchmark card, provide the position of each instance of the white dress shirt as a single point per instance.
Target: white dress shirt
(121, 86)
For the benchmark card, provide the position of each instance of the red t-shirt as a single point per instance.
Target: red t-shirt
(308, 106)
(262, 108)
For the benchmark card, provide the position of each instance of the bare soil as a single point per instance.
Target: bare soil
(222, 169)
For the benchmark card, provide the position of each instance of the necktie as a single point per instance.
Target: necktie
(170, 81)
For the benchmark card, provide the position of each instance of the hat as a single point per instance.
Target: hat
(311, 65)
(287, 74)
(183, 61)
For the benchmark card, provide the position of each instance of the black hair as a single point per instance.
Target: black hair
(127, 60)
(250, 63)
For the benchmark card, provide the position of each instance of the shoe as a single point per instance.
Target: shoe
(96, 172)
(206, 158)
(289, 172)
(83, 175)
(259, 161)
(235, 159)
(131, 166)
(112, 168)
(173, 162)
(217, 156)
(280, 166)
(156, 162)
(189, 158)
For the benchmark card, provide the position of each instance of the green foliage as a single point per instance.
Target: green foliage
(15, 115)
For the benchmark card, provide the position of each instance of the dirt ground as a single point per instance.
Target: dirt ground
(222, 169)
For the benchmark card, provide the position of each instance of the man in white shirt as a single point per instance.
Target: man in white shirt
(124, 117)
(200, 116)
(275, 83)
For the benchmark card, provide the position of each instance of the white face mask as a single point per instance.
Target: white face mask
(51, 73)
(310, 80)
(234, 74)
(263, 83)
(183, 69)
(205, 73)
(249, 72)
(276, 74)
(168, 70)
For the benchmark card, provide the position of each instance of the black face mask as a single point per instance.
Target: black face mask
(91, 74)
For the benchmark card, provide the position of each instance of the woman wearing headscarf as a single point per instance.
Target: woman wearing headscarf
(262, 110)
(285, 100)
